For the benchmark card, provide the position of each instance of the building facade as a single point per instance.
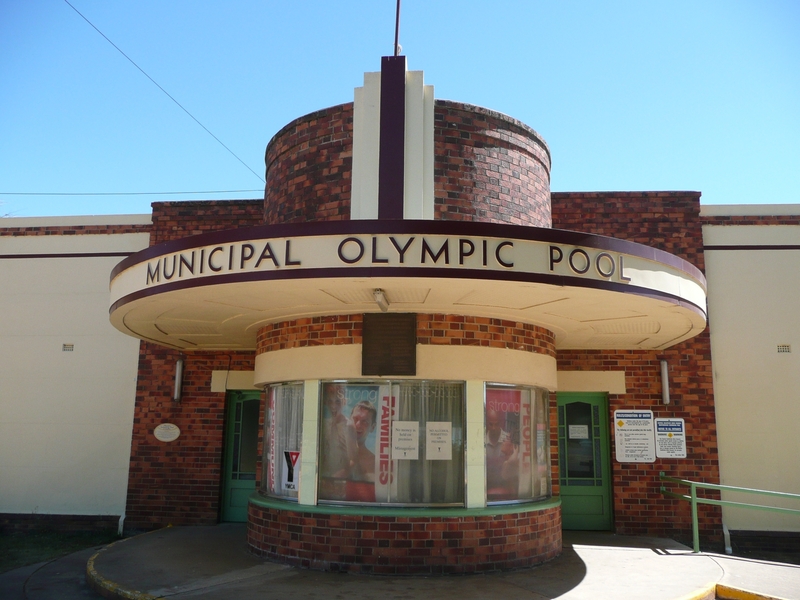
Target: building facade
(409, 309)
(411, 356)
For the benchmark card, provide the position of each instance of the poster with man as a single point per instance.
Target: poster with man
(352, 465)
(507, 443)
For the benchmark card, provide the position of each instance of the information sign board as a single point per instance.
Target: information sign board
(634, 436)
(670, 438)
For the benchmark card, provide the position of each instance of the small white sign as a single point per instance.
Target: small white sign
(670, 438)
(634, 436)
(167, 432)
(405, 440)
(439, 440)
(578, 432)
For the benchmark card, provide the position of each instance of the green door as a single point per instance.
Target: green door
(241, 449)
(583, 461)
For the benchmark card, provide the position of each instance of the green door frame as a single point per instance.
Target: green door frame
(584, 461)
(240, 457)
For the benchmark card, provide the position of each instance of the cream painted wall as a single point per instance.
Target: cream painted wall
(754, 306)
(433, 362)
(65, 417)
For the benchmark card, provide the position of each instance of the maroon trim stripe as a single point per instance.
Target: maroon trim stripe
(68, 255)
(392, 137)
(755, 247)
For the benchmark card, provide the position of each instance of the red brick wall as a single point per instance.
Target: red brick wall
(639, 506)
(669, 221)
(309, 163)
(312, 331)
(436, 329)
(178, 482)
(487, 167)
(177, 220)
(459, 330)
(403, 545)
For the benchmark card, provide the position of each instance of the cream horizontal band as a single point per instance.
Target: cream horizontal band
(433, 362)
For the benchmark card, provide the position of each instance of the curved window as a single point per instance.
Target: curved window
(283, 436)
(392, 442)
(516, 442)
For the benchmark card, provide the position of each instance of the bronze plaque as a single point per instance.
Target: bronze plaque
(389, 344)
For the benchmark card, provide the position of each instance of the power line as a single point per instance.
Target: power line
(165, 91)
(124, 193)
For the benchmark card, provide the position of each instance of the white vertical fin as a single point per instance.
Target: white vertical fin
(428, 196)
(418, 175)
(414, 157)
(366, 148)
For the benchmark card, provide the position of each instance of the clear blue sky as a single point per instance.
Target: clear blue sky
(630, 95)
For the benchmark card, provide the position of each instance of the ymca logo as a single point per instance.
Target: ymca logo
(291, 458)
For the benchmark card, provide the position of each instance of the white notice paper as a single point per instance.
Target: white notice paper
(405, 440)
(578, 432)
(439, 440)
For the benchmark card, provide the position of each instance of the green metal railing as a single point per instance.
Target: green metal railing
(694, 500)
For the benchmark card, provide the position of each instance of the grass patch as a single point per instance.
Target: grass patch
(21, 549)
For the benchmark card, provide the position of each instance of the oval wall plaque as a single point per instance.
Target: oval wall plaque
(167, 432)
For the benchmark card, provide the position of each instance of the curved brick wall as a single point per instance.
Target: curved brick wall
(439, 329)
(396, 545)
(390, 544)
(308, 168)
(488, 167)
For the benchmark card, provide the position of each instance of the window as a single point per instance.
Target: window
(283, 440)
(401, 442)
(516, 443)
(392, 442)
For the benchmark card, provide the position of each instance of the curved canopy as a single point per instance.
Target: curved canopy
(214, 291)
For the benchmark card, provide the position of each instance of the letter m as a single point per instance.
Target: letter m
(445, 249)
(153, 276)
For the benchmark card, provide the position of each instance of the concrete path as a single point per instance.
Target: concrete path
(213, 563)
